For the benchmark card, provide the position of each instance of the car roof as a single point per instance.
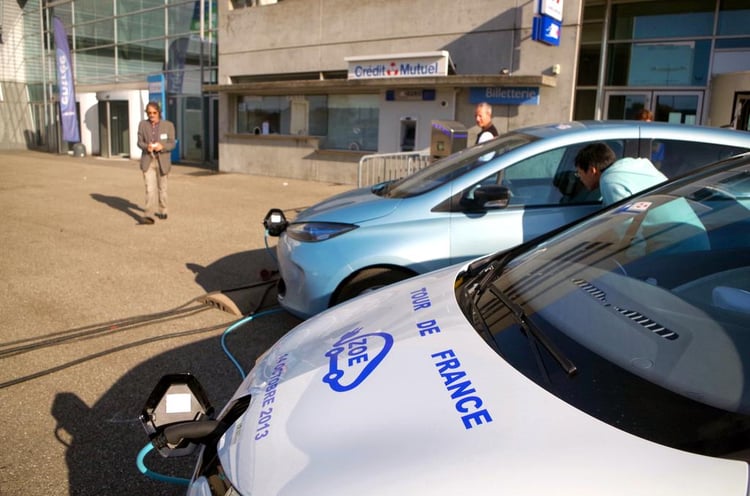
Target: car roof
(586, 126)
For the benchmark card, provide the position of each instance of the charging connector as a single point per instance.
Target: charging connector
(275, 222)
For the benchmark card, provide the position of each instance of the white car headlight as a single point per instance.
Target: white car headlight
(317, 231)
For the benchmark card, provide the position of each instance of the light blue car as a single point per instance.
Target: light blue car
(483, 199)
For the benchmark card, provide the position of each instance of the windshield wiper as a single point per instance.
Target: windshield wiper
(381, 189)
(384, 189)
(480, 323)
(535, 332)
(489, 272)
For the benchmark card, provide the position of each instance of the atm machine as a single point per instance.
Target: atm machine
(447, 137)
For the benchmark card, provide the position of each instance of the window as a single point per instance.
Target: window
(585, 105)
(734, 17)
(263, 115)
(318, 115)
(548, 178)
(687, 18)
(344, 122)
(678, 157)
(352, 122)
(659, 64)
(588, 65)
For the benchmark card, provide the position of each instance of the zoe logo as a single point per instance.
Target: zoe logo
(354, 357)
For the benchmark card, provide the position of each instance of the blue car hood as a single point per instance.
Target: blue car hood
(354, 206)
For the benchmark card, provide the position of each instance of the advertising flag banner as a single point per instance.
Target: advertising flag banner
(68, 113)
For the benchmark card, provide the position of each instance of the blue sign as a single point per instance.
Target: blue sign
(505, 95)
(547, 30)
(66, 88)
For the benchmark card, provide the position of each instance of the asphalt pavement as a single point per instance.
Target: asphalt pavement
(95, 308)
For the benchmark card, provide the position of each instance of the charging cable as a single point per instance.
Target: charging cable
(154, 475)
(269, 250)
(234, 326)
(149, 447)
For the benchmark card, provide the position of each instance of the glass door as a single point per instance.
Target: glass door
(114, 128)
(680, 107)
(119, 128)
(624, 105)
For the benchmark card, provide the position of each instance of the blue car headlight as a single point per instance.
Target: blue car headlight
(313, 232)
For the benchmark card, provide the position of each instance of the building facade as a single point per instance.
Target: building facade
(686, 61)
(123, 53)
(305, 88)
(311, 85)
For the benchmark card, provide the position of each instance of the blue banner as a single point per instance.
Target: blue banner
(156, 92)
(68, 112)
(176, 65)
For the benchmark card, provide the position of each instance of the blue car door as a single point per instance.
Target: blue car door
(544, 193)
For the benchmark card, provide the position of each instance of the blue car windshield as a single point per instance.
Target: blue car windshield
(650, 303)
(453, 166)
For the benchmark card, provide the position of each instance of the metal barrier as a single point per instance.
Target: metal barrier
(379, 167)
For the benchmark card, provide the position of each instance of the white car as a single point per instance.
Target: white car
(612, 357)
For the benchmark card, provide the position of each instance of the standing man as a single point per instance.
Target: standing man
(596, 167)
(156, 139)
(483, 118)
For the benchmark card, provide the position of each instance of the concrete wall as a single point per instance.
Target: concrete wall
(290, 157)
(483, 36)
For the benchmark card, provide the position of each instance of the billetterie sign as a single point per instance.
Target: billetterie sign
(405, 65)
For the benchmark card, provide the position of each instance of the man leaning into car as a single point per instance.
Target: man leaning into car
(596, 167)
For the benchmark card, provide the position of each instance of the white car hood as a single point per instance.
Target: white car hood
(395, 393)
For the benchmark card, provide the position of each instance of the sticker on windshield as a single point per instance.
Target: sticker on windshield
(636, 207)
(354, 357)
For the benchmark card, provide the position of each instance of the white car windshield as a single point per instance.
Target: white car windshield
(639, 316)
(453, 166)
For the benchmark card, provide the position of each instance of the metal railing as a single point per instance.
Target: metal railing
(379, 167)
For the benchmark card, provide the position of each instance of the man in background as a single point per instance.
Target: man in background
(156, 139)
(483, 118)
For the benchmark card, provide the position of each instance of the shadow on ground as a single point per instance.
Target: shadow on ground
(121, 204)
(247, 278)
(103, 441)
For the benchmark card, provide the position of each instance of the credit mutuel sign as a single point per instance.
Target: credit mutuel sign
(404, 65)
